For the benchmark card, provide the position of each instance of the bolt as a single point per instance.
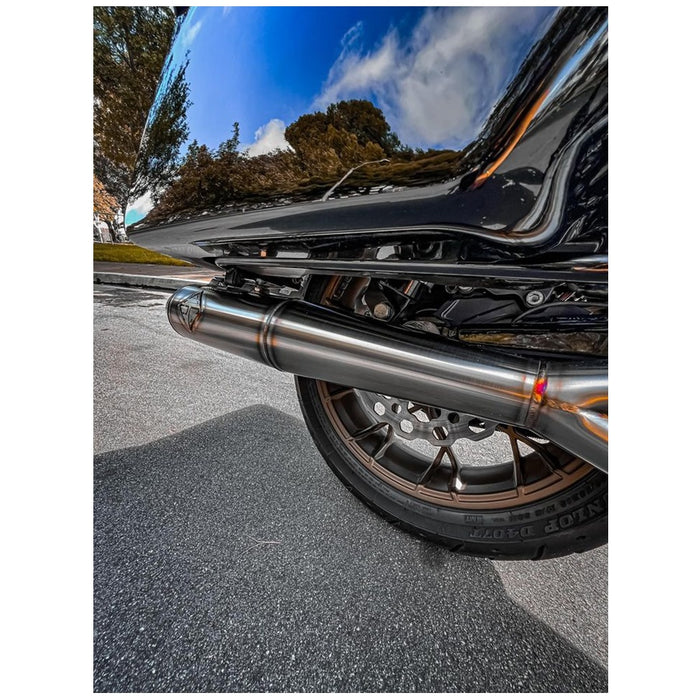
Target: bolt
(382, 311)
(534, 298)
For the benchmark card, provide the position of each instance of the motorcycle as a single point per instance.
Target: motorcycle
(442, 305)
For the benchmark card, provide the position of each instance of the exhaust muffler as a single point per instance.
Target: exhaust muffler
(565, 402)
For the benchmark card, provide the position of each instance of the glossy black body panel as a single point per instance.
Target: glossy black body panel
(531, 189)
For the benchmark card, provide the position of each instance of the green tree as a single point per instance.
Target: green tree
(367, 122)
(348, 133)
(326, 145)
(130, 47)
(167, 130)
(307, 136)
(230, 146)
(103, 204)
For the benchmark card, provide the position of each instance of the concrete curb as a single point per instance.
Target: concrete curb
(169, 283)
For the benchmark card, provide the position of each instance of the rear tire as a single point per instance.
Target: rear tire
(556, 505)
(574, 520)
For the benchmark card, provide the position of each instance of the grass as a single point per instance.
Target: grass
(129, 253)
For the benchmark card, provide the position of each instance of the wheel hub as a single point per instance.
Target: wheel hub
(413, 421)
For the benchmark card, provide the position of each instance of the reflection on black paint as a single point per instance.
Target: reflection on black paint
(533, 182)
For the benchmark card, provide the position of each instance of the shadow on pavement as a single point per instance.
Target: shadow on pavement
(186, 600)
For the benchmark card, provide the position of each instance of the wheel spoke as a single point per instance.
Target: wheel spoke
(517, 464)
(366, 432)
(339, 393)
(386, 443)
(456, 479)
(435, 464)
(542, 453)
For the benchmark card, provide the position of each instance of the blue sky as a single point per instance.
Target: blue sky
(271, 62)
(280, 62)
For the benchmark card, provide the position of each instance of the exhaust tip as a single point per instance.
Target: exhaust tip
(185, 309)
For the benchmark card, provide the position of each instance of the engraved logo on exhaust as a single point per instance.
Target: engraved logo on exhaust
(190, 310)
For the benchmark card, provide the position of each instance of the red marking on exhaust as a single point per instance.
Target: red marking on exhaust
(539, 388)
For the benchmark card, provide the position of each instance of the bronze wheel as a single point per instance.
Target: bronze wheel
(429, 453)
(484, 488)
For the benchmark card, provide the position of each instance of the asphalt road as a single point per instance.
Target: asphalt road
(229, 558)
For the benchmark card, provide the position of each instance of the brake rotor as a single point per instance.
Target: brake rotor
(413, 421)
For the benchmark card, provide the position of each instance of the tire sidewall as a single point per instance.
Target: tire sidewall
(572, 521)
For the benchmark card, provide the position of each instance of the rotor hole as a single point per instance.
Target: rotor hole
(396, 408)
(379, 408)
(437, 412)
(476, 425)
(453, 418)
(421, 415)
(406, 426)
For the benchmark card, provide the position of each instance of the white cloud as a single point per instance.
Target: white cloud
(139, 208)
(353, 72)
(268, 138)
(142, 205)
(191, 33)
(438, 87)
(352, 36)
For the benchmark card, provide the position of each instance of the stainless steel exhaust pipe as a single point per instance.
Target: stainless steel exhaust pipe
(563, 401)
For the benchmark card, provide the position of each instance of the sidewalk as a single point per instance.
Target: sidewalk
(156, 276)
